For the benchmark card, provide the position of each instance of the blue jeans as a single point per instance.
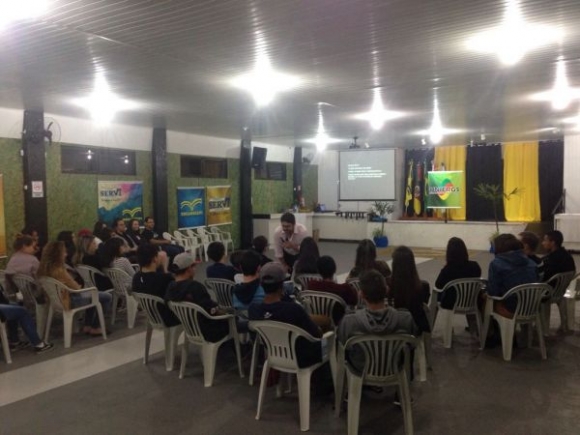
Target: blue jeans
(91, 317)
(15, 314)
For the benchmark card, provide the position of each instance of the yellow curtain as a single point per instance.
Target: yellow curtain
(520, 169)
(453, 158)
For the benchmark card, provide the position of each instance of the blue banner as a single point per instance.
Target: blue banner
(190, 207)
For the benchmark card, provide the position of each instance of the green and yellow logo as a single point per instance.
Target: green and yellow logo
(131, 213)
(444, 189)
(190, 204)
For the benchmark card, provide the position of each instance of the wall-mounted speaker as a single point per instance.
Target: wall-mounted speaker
(259, 157)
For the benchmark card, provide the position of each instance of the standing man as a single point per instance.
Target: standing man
(287, 239)
(558, 259)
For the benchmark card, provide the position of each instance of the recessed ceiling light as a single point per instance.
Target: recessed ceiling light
(378, 115)
(561, 95)
(437, 131)
(322, 139)
(11, 11)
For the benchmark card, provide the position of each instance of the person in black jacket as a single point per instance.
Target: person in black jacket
(457, 266)
(558, 259)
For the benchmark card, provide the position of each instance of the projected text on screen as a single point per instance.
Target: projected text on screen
(367, 175)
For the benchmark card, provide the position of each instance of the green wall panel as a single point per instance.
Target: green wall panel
(72, 198)
(310, 185)
(269, 196)
(11, 169)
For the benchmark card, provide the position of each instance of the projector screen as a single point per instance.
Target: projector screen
(367, 175)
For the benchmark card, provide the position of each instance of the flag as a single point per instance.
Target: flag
(409, 188)
(417, 201)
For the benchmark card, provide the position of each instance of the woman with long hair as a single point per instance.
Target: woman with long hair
(366, 259)
(457, 266)
(86, 254)
(52, 264)
(134, 231)
(113, 255)
(406, 289)
(98, 231)
(307, 257)
(68, 238)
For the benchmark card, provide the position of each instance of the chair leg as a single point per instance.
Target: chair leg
(541, 338)
(132, 308)
(406, 404)
(238, 350)
(67, 320)
(114, 303)
(102, 323)
(339, 388)
(263, 382)
(48, 324)
(545, 311)
(563, 315)
(208, 358)
(421, 357)
(148, 334)
(254, 363)
(507, 328)
(354, 397)
(184, 350)
(41, 314)
(304, 398)
(5, 345)
(447, 317)
(171, 337)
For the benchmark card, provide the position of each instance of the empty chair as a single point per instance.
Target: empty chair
(323, 304)
(188, 241)
(559, 284)
(150, 305)
(279, 340)
(205, 239)
(304, 278)
(120, 278)
(223, 290)
(223, 236)
(188, 314)
(5, 344)
(386, 362)
(56, 292)
(26, 285)
(529, 298)
(467, 291)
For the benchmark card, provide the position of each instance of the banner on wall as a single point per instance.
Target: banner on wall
(445, 189)
(120, 199)
(219, 200)
(190, 207)
(3, 250)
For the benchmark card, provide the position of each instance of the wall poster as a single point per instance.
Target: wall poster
(190, 207)
(219, 200)
(120, 199)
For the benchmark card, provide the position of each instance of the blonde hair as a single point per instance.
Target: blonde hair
(52, 261)
(83, 244)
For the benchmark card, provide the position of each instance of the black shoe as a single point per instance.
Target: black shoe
(43, 347)
(15, 347)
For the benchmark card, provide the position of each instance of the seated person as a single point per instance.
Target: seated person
(457, 266)
(327, 268)
(376, 318)
(151, 281)
(308, 255)
(260, 244)
(558, 259)
(149, 235)
(86, 254)
(216, 251)
(185, 289)
(272, 277)
(15, 315)
(366, 259)
(530, 241)
(23, 261)
(235, 259)
(134, 231)
(510, 268)
(249, 291)
(113, 256)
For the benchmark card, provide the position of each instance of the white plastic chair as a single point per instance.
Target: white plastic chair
(223, 236)
(304, 278)
(205, 239)
(223, 291)
(150, 305)
(3, 283)
(467, 291)
(189, 242)
(5, 344)
(322, 303)
(188, 314)
(280, 342)
(355, 283)
(559, 284)
(119, 278)
(27, 286)
(88, 275)
(386, 362)
(55, 291)
(529, 298)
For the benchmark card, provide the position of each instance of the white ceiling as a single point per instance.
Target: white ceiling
(175, 57)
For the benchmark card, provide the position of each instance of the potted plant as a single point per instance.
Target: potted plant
(380, 210)
(495, 194)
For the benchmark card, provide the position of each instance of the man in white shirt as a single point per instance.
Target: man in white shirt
(287, 239)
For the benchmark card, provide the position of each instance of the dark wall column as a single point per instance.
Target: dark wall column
(160, 184)
(34, 169)
(297, 172)
(246, 218)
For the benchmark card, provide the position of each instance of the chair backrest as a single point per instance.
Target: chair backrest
(529, 298)
(322, 303)
(385, 355)
(467, 291)
(168, 236)
(559, 284)
(88, 274)
(217, 234)
(280, 342)
(57, 292)
(150, 304)
(187, 313)
(204, 237)
(223, 290)
(119, 278)
(304, 278)
(27, 286)
(355, 283)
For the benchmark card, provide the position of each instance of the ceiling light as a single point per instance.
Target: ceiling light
(561, 95)
(103, 104)
(437, 131)
(126, 160)
(263, 82)
(514, 37)
(89, 155)
(11, 11)
(322, 139)
(378, 115)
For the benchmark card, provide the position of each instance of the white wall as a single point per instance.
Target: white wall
(572, 172)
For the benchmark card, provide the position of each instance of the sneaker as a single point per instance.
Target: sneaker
(14, 347)
(43, 347)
